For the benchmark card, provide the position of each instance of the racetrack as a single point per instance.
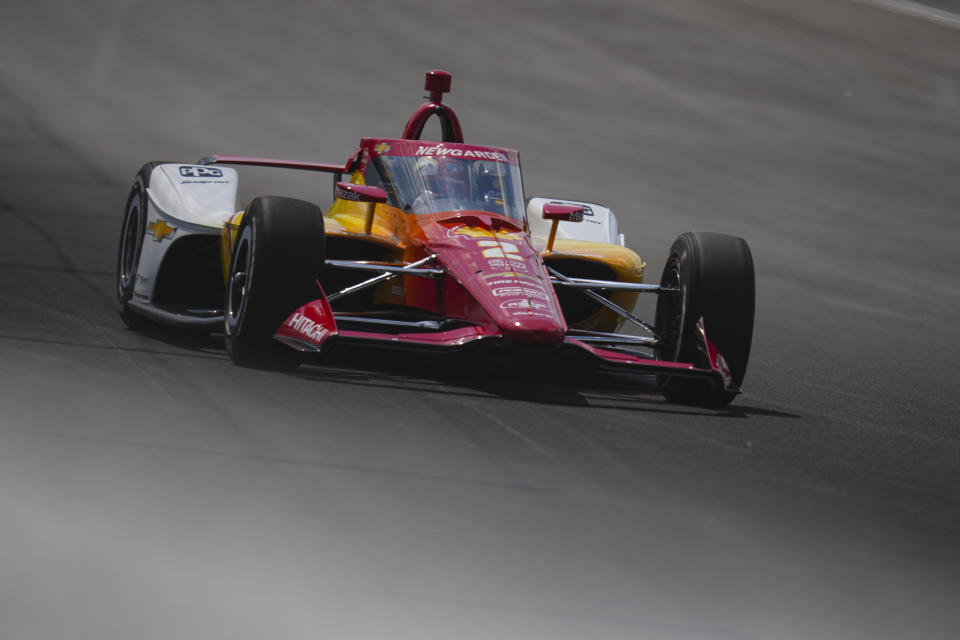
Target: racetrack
(151, 489)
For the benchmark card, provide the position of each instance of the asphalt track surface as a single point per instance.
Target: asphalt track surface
(151, 489)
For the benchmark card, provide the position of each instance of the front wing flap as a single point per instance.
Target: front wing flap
(717, 371)
(313, 324)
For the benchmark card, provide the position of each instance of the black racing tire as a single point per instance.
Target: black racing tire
(277, 260)
(715, 276)
(132, 233)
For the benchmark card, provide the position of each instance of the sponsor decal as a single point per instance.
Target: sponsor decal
(359, 193)
(535, 293)
(383, 147)
(497, 250)
(720, 364)
(461, 153)
(346, 194)
(159, 229)
(510, 274)
(501, 264)
(524, 303)
(307, 327)
(506, 292)
(201, 172)
(516, 282)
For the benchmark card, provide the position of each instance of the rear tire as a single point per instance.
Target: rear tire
(132, 234)
(714, 273)
(276, 262)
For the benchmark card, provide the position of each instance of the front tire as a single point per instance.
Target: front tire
(132, 234)
(276, 262)
(715, 277)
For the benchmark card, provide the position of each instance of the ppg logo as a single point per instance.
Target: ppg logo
(201, 172)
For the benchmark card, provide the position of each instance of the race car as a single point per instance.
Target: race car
(428, 245)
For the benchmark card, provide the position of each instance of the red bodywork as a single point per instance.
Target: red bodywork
(495, 282)
(495, 285)
(496, 278)
(437, 84)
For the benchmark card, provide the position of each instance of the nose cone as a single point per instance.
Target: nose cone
(531, 329)
(493, 260)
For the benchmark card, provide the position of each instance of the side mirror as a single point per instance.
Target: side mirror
(361, 193)
(557, 213)
(565, 212)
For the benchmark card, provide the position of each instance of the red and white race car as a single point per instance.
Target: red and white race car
(428, 245)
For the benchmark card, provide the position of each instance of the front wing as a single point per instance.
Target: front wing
(314, 326)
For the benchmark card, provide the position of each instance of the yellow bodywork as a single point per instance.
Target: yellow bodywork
(349, 218)
(228, 235)
(626, 265)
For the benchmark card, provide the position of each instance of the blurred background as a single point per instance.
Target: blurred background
(150, 489)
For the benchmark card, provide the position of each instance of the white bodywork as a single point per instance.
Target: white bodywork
(599, 223)
(190, 200)
(197, 194)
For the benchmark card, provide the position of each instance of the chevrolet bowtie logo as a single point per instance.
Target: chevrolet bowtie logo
(159, 229)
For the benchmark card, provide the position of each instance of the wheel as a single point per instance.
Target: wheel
(714, 275)
(277, 260)
(131, 243)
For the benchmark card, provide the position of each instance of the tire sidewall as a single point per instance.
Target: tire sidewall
(716, 283)
(136, 202)
(244, 250)
(677, 314)
(283, 239)
(138, 196)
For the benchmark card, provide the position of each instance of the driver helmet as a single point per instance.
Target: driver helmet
(487, 179)
(489, 187)
(444, 176)
(453, 172)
